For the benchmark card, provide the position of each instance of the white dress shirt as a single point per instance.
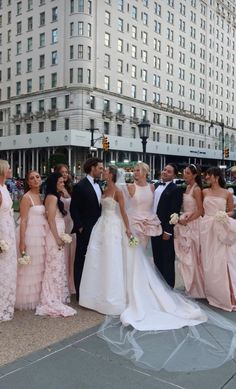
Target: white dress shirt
(157, 195)
(96, 187)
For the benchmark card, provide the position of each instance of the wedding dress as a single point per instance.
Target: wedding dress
(102, 285)
(161, 328)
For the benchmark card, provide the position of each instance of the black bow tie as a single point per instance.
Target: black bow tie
(96, 180)
(162, 183)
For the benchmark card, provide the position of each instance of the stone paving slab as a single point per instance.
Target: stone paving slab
(84, 361)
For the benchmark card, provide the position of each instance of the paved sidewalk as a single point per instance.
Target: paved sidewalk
(84, 361)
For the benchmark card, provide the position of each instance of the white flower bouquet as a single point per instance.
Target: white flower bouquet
(133, 241)
(24, 259)
(221, 216)
(66, 238)
(4, 246)
(174, 218)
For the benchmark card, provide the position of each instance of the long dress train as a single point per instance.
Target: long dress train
(160, 328)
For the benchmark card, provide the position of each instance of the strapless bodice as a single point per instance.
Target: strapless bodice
(109, 205)
(213, 204)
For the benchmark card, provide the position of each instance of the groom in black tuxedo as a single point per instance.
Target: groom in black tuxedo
(167, 200)
(85, 210)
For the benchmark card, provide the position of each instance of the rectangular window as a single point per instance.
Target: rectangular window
(30, 24)
(54, 58)
(54, 14)
(29, 64)
(80, 51)
(67, 123)
(18, 88)
(41, 105)
(28, 128)
(17, 129)
(80, 28)
(30, 44)
(119, 129)
(42, 39)
(42, 19)
(53, 125)
(41, 126)
(67, 101)
(29, 85)
(54, 80)
(41, 82)
(53, 103)
(55, 35)
(80, 75)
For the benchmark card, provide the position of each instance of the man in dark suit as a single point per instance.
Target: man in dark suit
(85, 210)
(167, 200)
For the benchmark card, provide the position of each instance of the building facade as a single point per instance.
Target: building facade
(70, 65)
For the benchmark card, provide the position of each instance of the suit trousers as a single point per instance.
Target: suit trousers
(164, 258)
(81, 249)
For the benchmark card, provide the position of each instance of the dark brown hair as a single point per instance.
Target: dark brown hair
(26, 183)
(69, 182)
(217, 172)
(90, 162)
(113, 170)
(195, 170)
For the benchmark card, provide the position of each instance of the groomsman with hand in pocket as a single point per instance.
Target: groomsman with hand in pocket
(167, 200)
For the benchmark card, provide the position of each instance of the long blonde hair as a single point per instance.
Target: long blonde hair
(4, 166)
(144, 167)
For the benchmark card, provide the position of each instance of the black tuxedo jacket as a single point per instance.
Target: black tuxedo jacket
(170, 202)
(84, 208)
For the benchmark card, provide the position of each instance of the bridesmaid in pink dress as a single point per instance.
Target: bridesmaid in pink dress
(8, 259)
(145, 223)
(187, 234)
(31, 240)
(69, 249)
(55, 292)
(218, 242)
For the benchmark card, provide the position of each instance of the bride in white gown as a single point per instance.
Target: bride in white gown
(103, 286)
(141, 333)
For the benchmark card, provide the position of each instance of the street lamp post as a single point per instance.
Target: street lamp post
(222, 125)
(144, 130)
(92, 142)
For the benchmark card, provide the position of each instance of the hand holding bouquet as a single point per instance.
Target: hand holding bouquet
(221, 216)
(4, 246)
(66, 238)
(174, 218)
(24, 259)
(133, 241)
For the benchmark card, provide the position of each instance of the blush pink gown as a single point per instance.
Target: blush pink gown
(8, 260)
(55, 292)
(143, 221)
(187, 249)
(218, 246)
(29, 277)
(69, 248)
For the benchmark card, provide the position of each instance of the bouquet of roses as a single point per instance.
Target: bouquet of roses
(133, 241)
(174, 218)
(221, 216)
(24, 259)
(4, 246)
(66, 238)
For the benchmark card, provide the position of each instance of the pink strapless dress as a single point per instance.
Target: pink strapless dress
(29, 277)
(69, 248)
(187, 249)
(8, 259)
(218, 246)
(55, 292)
(144, 222)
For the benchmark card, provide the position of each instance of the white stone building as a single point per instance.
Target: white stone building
(70, 65)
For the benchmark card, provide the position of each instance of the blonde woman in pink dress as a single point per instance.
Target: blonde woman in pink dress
(31, 236)
(66, 199)
(217, 233)
(187, 234)
(8, 259)
(55, 292)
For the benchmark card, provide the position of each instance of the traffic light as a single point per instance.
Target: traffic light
(226, 152)
(105, 143)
